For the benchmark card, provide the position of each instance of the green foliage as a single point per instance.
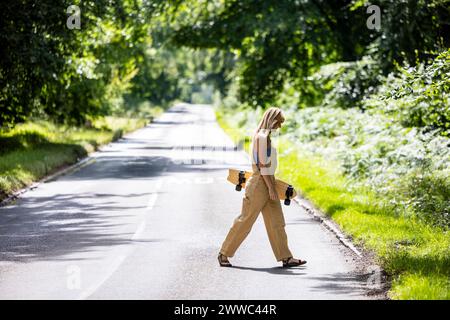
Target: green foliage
(119, 58)
(274, 40)
(168, 73)
(420, 96)
(68, 75)
(287, 41)
(429, 196)
(381, 154)
(412, 30)
(352, 82)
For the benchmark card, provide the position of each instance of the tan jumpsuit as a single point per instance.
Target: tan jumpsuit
(255, 200)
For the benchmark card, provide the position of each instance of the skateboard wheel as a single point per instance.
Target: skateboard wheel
(238, 187)
(287, 202)
(241, 177)
(289, 191)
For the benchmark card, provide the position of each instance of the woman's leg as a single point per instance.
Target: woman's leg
(274, 222)
(253, 201)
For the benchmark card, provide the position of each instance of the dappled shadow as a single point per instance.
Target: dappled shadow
(341, 283)
(21, 139)
(152, 148)
(171, 123)
(47, 227)
(302, 221)
(50, 227)
(176, 111)
(126, 140)
(141, 167)
(120, 167)
(193, 147)
(334, 284)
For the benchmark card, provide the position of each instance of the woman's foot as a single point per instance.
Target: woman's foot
(223, 261)
(292, 262)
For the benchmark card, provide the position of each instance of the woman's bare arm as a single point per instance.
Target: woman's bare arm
(270, 181)
(265, 163)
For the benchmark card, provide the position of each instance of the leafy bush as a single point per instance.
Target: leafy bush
(349, 83)
(429, 196)
(420, 96)
(379, 153)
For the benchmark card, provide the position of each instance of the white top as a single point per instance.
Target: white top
(267, 162)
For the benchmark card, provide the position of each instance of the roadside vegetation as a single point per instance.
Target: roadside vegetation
(35, 149)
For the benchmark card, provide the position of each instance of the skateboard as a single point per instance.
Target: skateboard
(239, 178)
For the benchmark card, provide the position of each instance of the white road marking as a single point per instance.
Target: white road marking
(118, 261)
(139, 231)
(151, 201)
(154, 196)
(113, 267)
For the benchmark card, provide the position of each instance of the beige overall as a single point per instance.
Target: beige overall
(256, 199)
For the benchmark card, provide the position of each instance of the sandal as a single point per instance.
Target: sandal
(223, 261)
(291, 262)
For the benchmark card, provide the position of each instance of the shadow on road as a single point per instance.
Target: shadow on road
(171, 123)
(341, 283)
(136, 167)
(50, 226)
(274, 270)
(47, 227)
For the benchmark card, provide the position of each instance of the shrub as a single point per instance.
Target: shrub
(429, 196)
(420, 96)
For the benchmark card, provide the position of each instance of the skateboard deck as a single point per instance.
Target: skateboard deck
(284, 190)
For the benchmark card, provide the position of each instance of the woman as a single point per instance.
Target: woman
(260, 195)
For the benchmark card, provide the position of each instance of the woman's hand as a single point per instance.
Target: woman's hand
(273, 195)
(270, 183)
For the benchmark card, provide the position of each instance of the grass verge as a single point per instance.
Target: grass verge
(415, 255)
(36, 149)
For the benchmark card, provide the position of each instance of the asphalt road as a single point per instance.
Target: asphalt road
(145, 220)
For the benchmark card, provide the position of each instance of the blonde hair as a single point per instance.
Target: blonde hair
(269, 120)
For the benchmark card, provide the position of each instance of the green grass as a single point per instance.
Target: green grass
(416, 255)
(35, 149)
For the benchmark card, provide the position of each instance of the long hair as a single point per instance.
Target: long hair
(266, 124)
(268, 120)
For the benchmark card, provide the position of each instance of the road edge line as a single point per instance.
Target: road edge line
(326, 221)
(78, 165)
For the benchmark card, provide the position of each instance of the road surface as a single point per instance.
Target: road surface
(145, 220)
